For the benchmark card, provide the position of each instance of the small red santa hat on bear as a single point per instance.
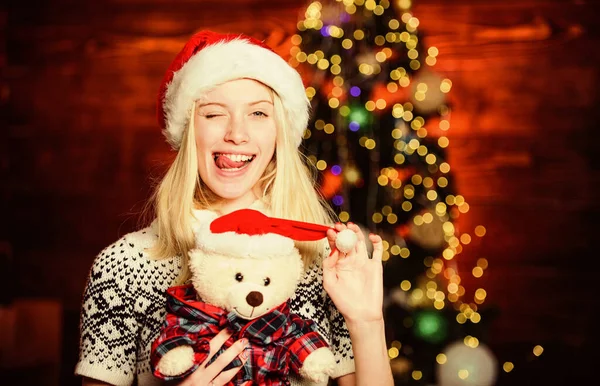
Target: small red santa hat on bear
(250, 233)
(209, 59)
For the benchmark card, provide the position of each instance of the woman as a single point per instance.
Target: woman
(235, 112)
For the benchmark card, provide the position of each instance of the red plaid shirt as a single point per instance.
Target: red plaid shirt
(279, 340)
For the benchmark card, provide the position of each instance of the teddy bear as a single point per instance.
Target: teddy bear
(244, 269)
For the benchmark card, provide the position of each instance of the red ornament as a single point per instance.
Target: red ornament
(331, 184)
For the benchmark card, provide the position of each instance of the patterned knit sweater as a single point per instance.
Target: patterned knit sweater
(124, 307)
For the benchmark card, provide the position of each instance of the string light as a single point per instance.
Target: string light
(396, 50)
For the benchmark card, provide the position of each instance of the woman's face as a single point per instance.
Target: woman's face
(235, 137)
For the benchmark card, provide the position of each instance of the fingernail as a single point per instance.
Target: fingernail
(245, 354)
(244, 341)
(332, 251)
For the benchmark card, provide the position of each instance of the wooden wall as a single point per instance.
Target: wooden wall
(79, 141)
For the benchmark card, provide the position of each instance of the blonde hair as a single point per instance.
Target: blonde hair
(181, 190)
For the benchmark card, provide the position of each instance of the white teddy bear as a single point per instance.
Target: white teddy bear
(244, 270)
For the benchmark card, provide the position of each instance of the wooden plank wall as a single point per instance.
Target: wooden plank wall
(79, 139)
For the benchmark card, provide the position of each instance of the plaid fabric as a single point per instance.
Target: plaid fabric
(280, 340)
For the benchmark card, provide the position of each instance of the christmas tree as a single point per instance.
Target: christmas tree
(378, 139)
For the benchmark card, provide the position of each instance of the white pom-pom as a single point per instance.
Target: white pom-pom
(346, 240)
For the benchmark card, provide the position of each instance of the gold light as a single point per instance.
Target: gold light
(417, 375)
(480, 295)
(448, 254)
(453, 288)
(392, 87)
(480, 230)
(377, 218)
(404, 4)
(465, 238)
(446, 85)
(301, 57)
(413, 54)
(432, 195)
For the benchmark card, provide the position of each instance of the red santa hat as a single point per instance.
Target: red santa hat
(209, 59)
(250, 233)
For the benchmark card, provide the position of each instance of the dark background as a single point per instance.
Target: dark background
(79, 146)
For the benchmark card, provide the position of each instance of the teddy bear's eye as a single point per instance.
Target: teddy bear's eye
(267, 281)
(239, 277)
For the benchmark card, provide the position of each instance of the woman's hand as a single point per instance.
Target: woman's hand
(213, 374)
(353, 281)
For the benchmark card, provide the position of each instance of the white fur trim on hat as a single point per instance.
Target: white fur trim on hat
(229, 60)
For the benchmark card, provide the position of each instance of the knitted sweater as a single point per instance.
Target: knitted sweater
(124, 307)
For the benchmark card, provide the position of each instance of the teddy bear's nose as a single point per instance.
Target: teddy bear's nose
(254, 298)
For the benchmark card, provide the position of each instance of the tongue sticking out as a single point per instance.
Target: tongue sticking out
(226, 163)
